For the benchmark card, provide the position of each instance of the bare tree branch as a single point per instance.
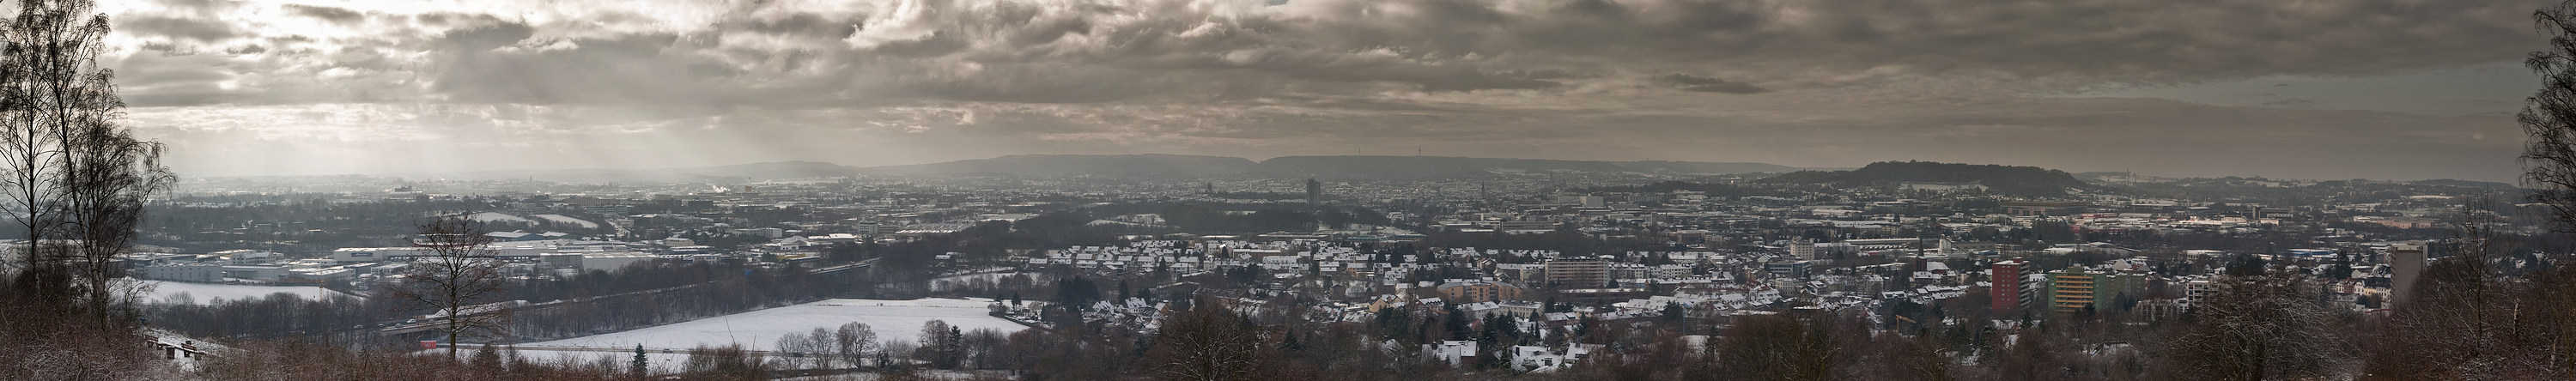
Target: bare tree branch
(459, 278)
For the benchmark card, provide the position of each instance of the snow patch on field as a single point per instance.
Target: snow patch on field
(208, 293)
(893, 320)
(499, 217)
(568, 220)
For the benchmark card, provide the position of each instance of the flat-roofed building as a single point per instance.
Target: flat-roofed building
(1476, 291)
(2006, 290)
(2405, 265)
(1578, 273)
(2072, 289)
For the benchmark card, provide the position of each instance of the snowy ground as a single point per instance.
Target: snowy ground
(677, 361)
(568, 220)
(207, 293)
(758, 330)
(498, 216)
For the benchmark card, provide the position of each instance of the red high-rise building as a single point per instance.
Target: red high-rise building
(2007, 290)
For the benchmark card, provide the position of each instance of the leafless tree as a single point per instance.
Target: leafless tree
(2260, 327)
(457, 277)
(2549, 116)
(812, 349)
(853, 342)
(2482, 324)
(110, 177)
(1207, 343)
(725, 363)
(1779, 347)
(70, 176)
(939, 343)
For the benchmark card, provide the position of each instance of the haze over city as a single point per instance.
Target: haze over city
(2383, 89)
(1288, 190)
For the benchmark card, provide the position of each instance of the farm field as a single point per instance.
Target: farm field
(207, 293)
(758, 330)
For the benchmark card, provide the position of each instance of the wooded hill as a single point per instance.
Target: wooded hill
(1999, 179)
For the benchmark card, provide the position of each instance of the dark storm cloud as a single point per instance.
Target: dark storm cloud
(804, 24)
(1019, 50)
(334, 14)
(1553, 77)
(177, 28)
(627, 69)
(1710, 85)
(485, 33)
(2292, 102)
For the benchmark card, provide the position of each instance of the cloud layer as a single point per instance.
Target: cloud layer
(274, 86)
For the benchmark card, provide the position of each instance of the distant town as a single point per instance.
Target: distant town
(1287, 190)
(1534, 270)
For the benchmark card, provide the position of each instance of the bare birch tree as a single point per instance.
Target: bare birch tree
(109, 177)
(458, 277)
(2549, 117)
(72, 178)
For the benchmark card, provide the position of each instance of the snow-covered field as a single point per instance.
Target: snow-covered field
(759, 330)
(207, 293)
(568, 220)
(498, 216)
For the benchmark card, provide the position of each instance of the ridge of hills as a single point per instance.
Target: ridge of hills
(1145, 165)
(2000, 179)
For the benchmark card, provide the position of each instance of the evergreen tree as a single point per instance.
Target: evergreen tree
(636, 366)
(1455, 321)
(953, 348)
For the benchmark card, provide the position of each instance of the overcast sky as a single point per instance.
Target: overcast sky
(2321, 89)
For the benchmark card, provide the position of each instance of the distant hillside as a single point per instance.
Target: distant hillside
(1145, 165)
(2033, 181)
(1706, 167)
(776, 170)
(1075, 165)
(2098, 176)
(1439, 166)
(714, 174)
(2487, 185)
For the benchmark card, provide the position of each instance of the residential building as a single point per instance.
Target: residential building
(1474, 291)
(1803, 249)
(2006, 290)
(2196, 290)
(2405, 265)
(1578, 273)
(2072, 289)
(1788, 270)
